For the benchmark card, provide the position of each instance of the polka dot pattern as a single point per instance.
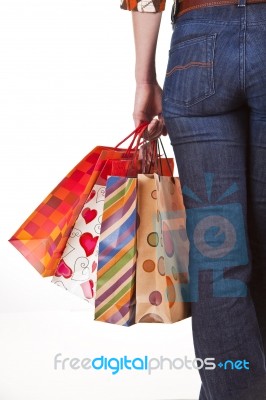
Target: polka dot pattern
(167, 240)
(155, 298)
(148, 266)
(161, 266)
(158, 275)
(154, 194)
(153, 239)
(171, 295)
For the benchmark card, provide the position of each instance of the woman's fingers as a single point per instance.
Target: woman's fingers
(164, 130)
(155, 129)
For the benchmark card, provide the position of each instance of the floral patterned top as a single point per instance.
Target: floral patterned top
(143, 5)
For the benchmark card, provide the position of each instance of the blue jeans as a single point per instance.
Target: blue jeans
(214, 106)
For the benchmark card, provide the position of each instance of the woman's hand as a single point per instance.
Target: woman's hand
(148, 104)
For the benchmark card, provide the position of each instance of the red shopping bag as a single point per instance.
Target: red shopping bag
(41, 239)
(147, 160)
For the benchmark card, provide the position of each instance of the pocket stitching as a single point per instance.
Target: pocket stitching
(189, 65)
(209, 65)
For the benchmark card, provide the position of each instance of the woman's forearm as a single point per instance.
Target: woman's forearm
(146, 29)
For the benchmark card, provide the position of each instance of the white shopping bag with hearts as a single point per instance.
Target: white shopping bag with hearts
(77, 268)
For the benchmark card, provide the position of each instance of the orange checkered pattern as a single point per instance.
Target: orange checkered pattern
(43, 236)
(143, 5)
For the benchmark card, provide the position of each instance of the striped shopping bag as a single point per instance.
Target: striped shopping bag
(115, 290)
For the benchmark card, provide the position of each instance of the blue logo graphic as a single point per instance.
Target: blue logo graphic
(217, 240)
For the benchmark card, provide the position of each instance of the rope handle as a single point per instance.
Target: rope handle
(136, 133)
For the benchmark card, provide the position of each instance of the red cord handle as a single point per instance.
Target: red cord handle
(138, 131)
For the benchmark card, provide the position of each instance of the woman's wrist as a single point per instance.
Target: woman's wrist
(146, 82)
(145, 74)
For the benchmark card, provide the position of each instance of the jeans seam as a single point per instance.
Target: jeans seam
(242, 48)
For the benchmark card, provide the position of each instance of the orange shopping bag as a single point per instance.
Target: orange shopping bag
(41, 239)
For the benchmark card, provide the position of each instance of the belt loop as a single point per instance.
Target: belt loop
(242, 3)
(174, 11)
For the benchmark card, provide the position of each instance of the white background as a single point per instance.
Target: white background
(66, 85)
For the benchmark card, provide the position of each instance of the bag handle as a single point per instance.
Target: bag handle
(138, 143)
(160, 143)
(138, 131)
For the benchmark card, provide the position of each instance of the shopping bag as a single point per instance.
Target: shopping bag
(115, 290)
(125, 168)
(162, 281)
(147, 160)
(41, 239)
(77, 268)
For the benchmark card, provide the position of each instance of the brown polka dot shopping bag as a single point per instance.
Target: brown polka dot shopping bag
(162, 251)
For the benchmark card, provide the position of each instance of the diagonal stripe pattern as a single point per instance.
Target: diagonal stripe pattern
(115, 292)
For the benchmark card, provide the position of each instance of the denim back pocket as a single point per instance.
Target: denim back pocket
(189, 74)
